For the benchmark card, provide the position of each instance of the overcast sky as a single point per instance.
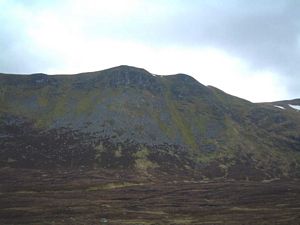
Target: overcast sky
(248, 48)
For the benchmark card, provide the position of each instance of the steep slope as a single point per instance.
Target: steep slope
(126, 117)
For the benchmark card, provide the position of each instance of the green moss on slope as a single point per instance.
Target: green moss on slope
(179, 121)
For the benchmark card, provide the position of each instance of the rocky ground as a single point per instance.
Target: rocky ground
(109, 197)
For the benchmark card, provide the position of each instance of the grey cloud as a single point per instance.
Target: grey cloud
(230, 28)
(265, 33)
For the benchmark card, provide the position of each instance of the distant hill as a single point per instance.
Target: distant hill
(128, 118)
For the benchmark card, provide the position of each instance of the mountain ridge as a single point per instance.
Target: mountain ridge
(128, 118)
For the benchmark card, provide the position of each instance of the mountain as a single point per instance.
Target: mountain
(127, 118)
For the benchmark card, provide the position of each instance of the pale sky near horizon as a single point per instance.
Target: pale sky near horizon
(250, 49)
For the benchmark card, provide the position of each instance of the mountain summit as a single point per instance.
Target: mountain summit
(128, 118)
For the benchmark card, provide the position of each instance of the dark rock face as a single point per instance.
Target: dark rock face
(128, 118)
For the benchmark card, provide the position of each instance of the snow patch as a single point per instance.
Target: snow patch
(278, 106)
(155, 75)
(296, 107)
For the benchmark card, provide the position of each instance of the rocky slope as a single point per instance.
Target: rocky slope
(128, 118)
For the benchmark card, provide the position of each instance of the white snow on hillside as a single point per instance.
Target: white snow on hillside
(297, 107)
(278, 106)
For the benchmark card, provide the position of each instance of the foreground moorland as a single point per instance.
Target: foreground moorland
(113, 197)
